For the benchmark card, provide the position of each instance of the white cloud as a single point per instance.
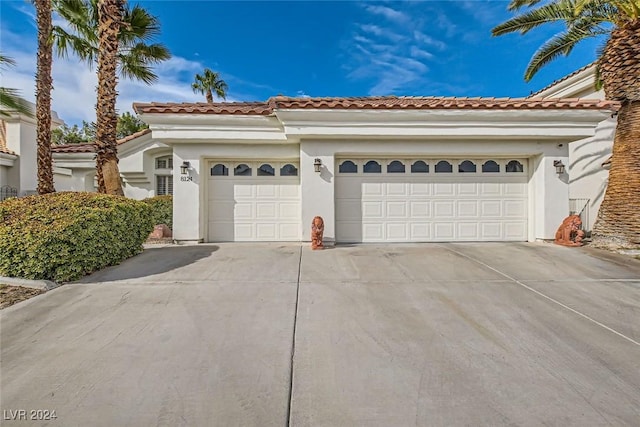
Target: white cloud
(376, 30)
(423, 38)
(418, 53)
(74, 85)
(74, 82)
(393, 53)
(387, 12)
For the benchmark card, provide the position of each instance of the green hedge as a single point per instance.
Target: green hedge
(161, 210)
(63, 236)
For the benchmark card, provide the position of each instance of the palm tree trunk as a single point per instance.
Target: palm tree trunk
(43, 97)
(618, 222)
(209, 96)
(110, 17)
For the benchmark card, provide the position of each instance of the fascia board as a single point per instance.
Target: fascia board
(531, 124)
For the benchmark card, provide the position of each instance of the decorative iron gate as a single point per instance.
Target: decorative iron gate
(6, 192)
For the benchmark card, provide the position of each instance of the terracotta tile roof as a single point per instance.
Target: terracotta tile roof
(555, 82)
(134, 136)
(3, 138)
(73, 148)
(375, 103)
(236, 108)
(90, 147)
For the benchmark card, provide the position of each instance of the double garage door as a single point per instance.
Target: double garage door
(376, 200)
(431, 200)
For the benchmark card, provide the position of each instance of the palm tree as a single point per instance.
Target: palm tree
(209, 82)
(134, 57)
(618, 222)
(43, 97)
(109, 23)
(10, 101)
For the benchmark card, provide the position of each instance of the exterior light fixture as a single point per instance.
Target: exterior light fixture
(184, 167)
(559, 166)
(317, 163)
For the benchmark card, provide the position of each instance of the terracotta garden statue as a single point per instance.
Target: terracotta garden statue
(570, 233)
(317, 230)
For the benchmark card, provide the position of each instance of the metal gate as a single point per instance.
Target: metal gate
(6, 192)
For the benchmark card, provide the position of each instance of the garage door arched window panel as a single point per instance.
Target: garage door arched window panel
(514, 166)
(490, 166)
(395, 166)
(419, 167)
(348, 167)
(443, 167)
(467, 166)
(242, 170)
(288, 170)
(266, 170)
(219, 170)
(372, 167)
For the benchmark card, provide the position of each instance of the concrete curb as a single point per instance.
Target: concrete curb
(45, 285)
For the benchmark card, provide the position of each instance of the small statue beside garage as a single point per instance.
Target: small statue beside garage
(570, 232)
(317, 232)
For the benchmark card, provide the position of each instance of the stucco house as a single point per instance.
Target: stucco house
(146, 166)
(377, 169)
(18, 163)
(588, 158)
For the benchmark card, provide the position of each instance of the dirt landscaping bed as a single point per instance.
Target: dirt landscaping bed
(10, 294)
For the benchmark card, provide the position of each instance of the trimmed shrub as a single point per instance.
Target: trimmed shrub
(63, 236)
(161, 210)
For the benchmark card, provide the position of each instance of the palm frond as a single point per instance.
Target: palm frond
(151, 53)
(6, 61)
(10, 101)
(135, 55)
(131, 67)
(140, 25)
(559, 45)
(519, 4)
(561, 11)
(65, 43)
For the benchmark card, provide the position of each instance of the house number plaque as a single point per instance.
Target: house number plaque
(186, 178)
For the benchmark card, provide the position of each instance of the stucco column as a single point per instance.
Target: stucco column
(187, 206)
(551, 196)
(317, 196)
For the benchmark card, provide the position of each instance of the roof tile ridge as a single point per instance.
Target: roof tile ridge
(561, 79)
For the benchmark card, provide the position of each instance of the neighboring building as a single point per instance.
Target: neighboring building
(391, 169)
(588, 158)
(18, 152)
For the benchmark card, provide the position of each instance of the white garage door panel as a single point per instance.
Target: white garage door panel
(253, 208)
(431, 207)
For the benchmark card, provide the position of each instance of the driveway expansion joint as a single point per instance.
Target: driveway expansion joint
(293, 341)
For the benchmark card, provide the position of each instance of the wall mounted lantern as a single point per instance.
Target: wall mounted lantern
(317, 163)
(184, 167)
(559, 166)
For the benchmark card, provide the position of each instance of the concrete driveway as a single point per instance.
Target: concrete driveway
(389, 335)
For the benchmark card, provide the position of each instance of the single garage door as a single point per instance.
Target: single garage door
(253, 201)
(431, 200)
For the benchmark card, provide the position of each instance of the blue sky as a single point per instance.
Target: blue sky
(307, 48)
